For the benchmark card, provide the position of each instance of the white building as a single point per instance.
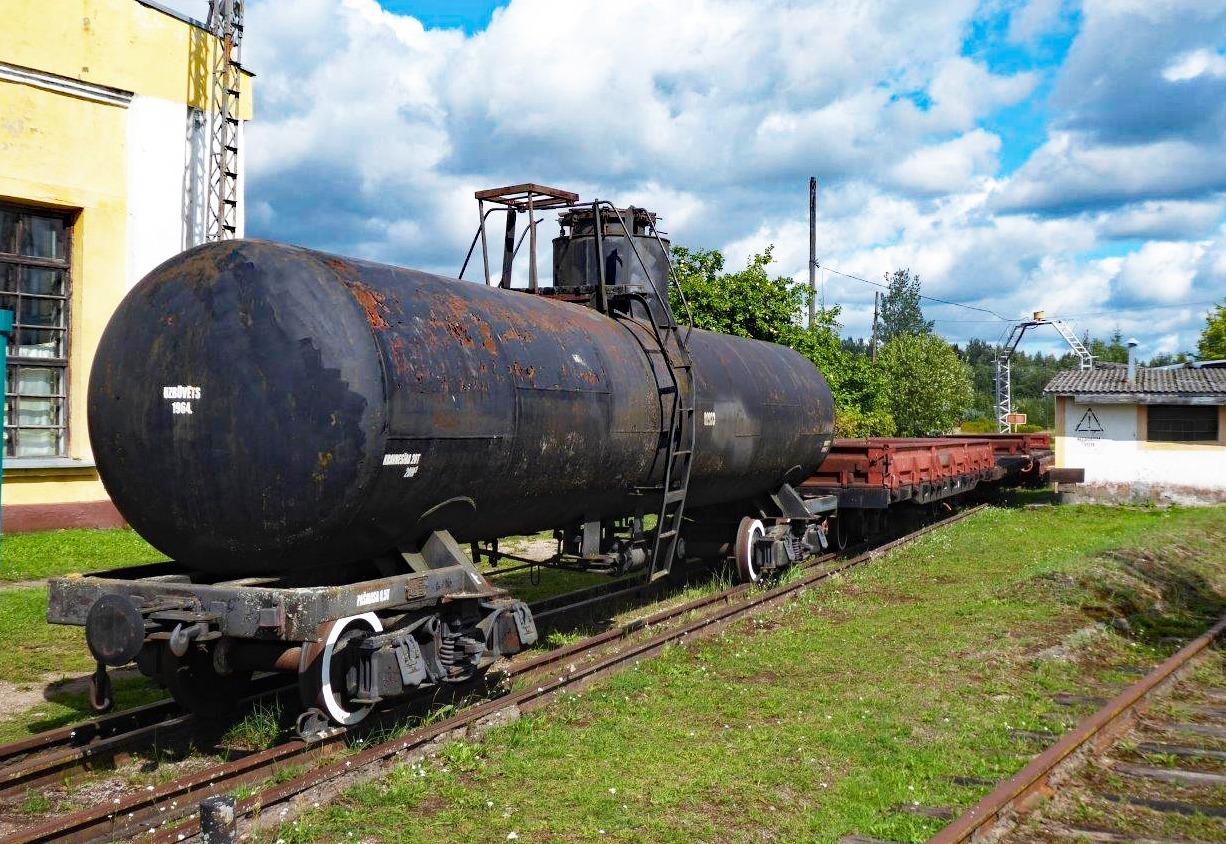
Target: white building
(1144, 434)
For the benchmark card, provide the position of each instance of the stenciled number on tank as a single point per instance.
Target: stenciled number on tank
(410, 461)
(181, 397)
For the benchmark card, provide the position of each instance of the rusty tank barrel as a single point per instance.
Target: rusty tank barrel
(256, 407)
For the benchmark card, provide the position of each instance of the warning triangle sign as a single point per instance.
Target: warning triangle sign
(1089, 423)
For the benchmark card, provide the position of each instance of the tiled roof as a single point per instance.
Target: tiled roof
(1113, 378)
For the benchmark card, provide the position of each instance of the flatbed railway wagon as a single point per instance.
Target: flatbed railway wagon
(875, 477)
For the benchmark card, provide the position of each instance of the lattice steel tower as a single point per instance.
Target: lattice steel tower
(1004, 361)
(226, 24)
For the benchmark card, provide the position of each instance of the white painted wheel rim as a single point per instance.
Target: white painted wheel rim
(745, 551)
(331, 700)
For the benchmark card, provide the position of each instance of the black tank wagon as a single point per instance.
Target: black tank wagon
(311, 439)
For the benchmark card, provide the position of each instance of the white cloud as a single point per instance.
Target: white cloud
(1163, 219)
(1161, 271)
(372, 133)
(951, 166)
(1190, 65)
(963, 91)
(1071, 172)
(1034, 19)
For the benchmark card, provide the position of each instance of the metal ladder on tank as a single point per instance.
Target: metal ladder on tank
(677, 443)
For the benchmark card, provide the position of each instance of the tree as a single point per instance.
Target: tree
(900, 307)
(1167, 359)
(927, 386)
(1212, 342)
(748, 303)
(1113, 352)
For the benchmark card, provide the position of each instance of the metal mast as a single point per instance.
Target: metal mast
(1004, 388)
(226, 24)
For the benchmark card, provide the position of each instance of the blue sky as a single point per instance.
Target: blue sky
(469, 15)
(1019, 155)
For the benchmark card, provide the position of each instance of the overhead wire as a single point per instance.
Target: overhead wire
(924, 296)
(1001, 318)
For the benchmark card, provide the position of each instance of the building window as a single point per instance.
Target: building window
(1181, 423)
(34, 285)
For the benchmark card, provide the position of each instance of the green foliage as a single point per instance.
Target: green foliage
(1113, 352)
(1212, 342)
(852, 422)
(900, 307)
(748, 303)
(978, 426)
(751, 303)
(928, 386)
(1166, 359)
(259, 730)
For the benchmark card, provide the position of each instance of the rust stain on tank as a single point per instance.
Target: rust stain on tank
(457, 330)
(522, 371)
(400, 357)
(321, 467)
(372, 303)
(487, 337)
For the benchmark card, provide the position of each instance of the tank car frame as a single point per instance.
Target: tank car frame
(352, 644)
(369, 631)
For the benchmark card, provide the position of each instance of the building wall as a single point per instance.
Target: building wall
(1108, 441)
(121, 143)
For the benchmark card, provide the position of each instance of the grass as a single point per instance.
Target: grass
(33, 556)
(33, 648)
(826, 716)
(260, 729)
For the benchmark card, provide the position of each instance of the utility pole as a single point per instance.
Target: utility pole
(872, 344)
(812, 250)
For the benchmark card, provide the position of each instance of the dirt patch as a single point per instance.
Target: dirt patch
(538, 548)
(17, 698)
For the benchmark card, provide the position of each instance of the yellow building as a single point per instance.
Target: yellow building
(104, 174)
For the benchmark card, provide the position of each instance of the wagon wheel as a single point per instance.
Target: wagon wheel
(197, 687)
(839, 534)
(326, 676)
(747, 535)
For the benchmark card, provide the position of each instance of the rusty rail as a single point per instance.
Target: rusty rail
(342, 772)
(163, 814)
(1025, 788)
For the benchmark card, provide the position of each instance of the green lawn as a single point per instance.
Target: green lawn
(827, 716)
(33, 556)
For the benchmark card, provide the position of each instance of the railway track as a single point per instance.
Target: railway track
(105, 742)
(1183, 770)
(289, 776)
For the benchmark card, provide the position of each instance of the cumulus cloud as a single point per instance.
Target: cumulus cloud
(1161, 271)
(1116, 83)
(372, 133)
(1163, 220)
(1034, 18)
(1071, 173)
(951, 166)
(1195, 63)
